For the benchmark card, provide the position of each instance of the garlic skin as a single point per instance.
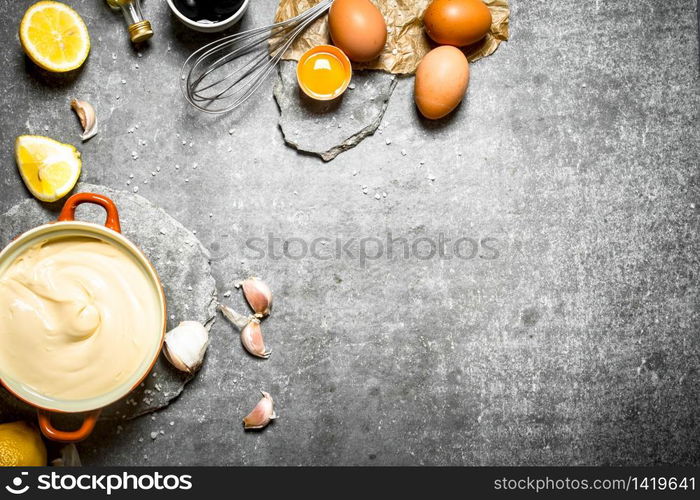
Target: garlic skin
(258, 295)
(88, 119)
(262, 414)
(238, 320)
(185, 346)
(252, 339)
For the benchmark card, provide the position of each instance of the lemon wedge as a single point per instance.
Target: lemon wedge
(49, 168)
(54, 36)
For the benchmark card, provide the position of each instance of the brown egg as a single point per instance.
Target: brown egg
(442, 78)
(357, 28)
(457, 22)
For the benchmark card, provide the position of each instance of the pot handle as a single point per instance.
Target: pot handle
(48, 430)
(68, 211)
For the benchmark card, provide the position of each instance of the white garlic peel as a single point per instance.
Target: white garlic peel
(262, 414)
(238, 320)
(185, 346)
(86, 115)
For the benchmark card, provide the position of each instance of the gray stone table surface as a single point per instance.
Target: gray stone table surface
(560, 324)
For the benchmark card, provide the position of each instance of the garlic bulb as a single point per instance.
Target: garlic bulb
(185, 346)
(252, 339)
(88, 119)
(258, 295)
(262, 414)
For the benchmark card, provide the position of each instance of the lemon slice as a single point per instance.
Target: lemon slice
(54, 36)
(49, 168)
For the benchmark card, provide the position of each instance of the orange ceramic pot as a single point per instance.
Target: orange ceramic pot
(67, 226)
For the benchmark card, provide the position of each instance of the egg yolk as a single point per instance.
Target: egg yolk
(323, 74)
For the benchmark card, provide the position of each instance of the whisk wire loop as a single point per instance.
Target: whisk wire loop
(219, 77)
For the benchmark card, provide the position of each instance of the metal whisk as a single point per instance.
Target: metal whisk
(224, 73)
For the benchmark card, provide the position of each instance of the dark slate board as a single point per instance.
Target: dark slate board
(182, 264)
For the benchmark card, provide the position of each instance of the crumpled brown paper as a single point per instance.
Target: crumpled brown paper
(406, 42)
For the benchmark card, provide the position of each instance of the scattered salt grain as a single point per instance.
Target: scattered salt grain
(154, 435)
(388, 141)
(136, 189)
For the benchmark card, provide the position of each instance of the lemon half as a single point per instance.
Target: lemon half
(54, 36)
(21, 446)
(49, 168)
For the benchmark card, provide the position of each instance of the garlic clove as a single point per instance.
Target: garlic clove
(262, 414)
(88, 119)
(252, 339)
(185, 346)
(238, 320)
(69, 457)
(258, 295)
(251, 333)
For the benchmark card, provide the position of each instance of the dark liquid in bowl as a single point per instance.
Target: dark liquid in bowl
(208, 10)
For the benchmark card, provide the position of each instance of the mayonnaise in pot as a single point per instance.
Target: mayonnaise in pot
(78, 316)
